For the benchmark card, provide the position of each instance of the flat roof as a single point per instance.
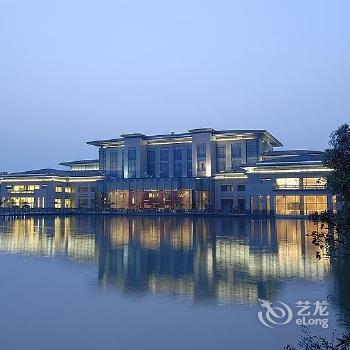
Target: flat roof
(53, 172)
(80, 162)
(119, 141)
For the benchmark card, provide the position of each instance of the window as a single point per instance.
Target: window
(177, 169)
(241, 188)
(226, 188)
(189, 161)
(252, 151)
(268, 204)
(201, 157)
(288, 205)
(58, 203)
(252, 204)
(334, 201)
(201, 151)
(164, 162)
(131, 162)
(311, 183)
(24, 188)
(220, 158)
(287, 183)
(68, 189)
(164, 169)
(177, 161)
(102, 159)
(260, 203)
(83, 189)
(68, 203)
(113, 160)
(177, 154)
(236, 155)
(58, 189)
(201, 166)
(315, 204)
(151, 162)
(164, 154)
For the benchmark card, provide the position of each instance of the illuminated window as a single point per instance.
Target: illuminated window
(68, 189)
(68, 203)
(260, 204)
(315, 204)
(24, 188)
(58, 203)
(288, 205)
(59, 189)
(252, 204)
(22, 202)
(288, 183)
(315, 183)
(334, 201)
(268, 204)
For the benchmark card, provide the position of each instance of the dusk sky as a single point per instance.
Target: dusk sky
(76, 70)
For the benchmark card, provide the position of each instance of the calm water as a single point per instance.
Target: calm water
(157, 283)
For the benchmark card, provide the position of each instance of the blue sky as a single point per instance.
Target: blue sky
(79, 70)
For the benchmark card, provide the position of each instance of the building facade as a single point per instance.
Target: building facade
(202, 170)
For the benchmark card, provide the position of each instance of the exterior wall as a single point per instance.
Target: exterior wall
(264, 185)
(230, 196)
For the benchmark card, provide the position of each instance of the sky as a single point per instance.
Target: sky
(78, 70)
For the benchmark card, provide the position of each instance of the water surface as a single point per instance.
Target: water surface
(155, 283)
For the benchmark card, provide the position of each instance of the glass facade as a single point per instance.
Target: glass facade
(236, 155)
(311, 183)
(220, 158)
(201, 157)
(252, 151)
(114, 161)
(315, 204)
(287, 183)
(177, 161)
(189, 161)
(151, 162)
(288, 205)
(131, 162)
(164, 162)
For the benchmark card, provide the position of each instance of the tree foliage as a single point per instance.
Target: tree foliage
(337, 157)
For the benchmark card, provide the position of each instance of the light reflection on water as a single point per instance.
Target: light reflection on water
(221, 259)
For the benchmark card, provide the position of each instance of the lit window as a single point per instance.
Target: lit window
(288, 205)
(58, 189)
(315, 204)
(288, 183)
(315, 183)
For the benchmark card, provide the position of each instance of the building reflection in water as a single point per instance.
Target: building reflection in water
(222, 259)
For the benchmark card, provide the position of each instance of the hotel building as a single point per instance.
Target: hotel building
(202, 170)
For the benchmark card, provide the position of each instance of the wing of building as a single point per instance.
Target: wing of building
(227, 171)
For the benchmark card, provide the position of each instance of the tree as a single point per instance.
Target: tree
(337, 157)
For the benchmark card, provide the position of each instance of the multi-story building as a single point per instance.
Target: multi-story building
(229, 171)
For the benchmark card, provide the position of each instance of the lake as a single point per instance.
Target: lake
(162, 283)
